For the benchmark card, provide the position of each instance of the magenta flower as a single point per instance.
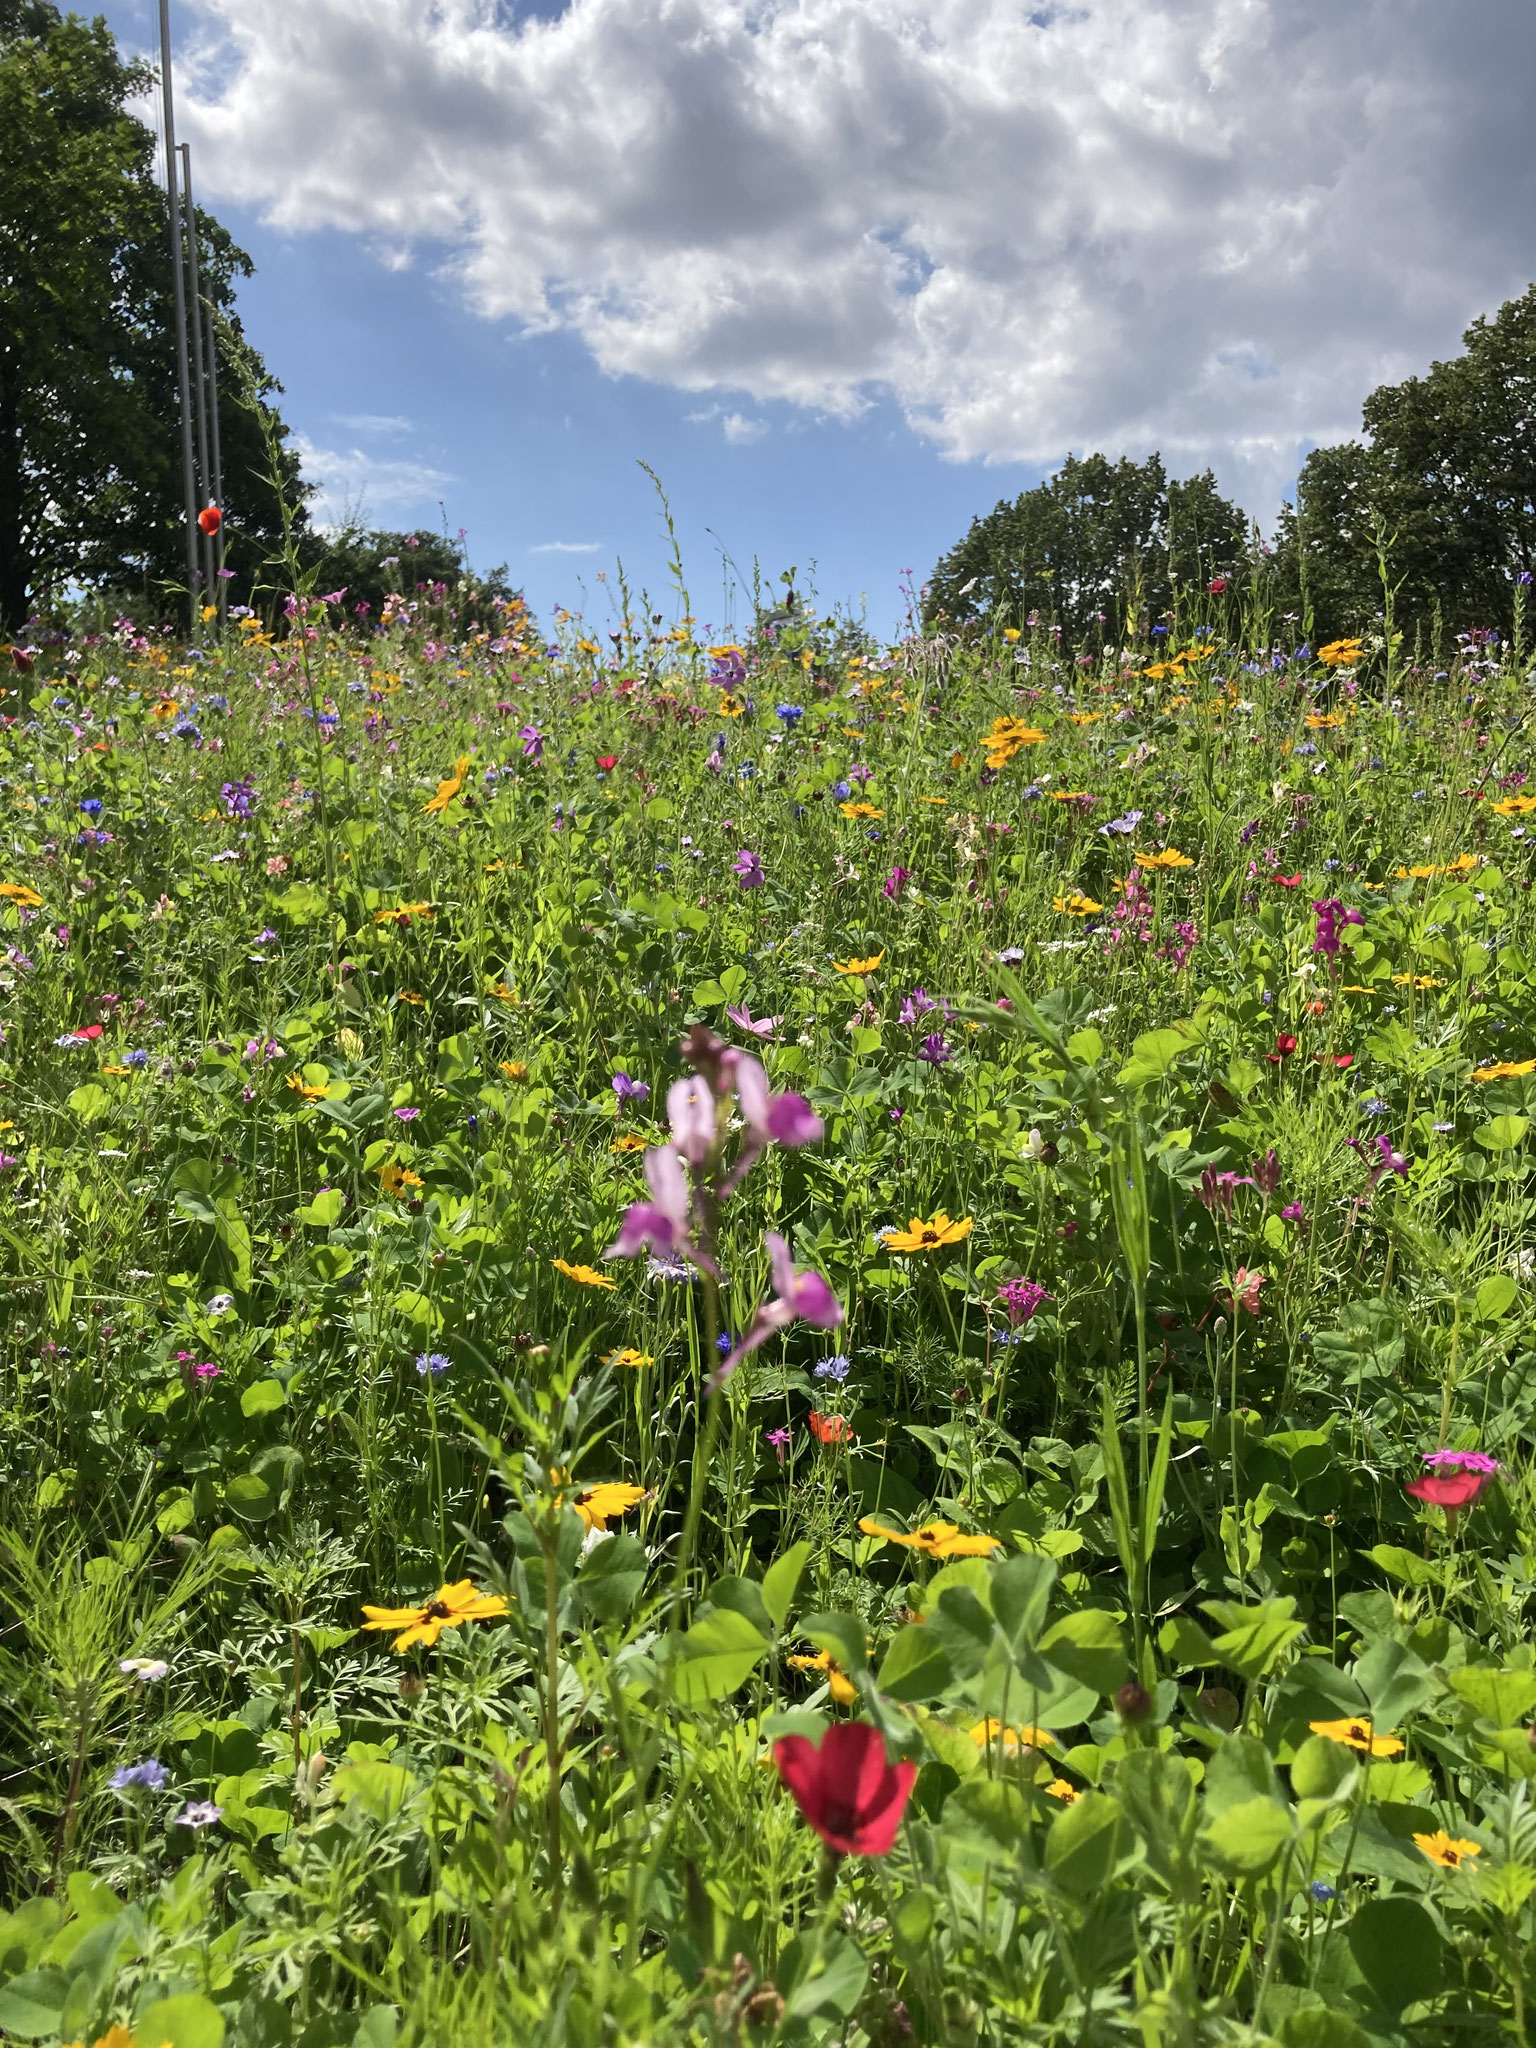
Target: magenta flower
(1266, 1172)
(628, 1090)
(780, 1439)
(741, 1016)
(798, 1297)
(1462, 1461)
(665, 1223)
(1331, 914)
(915, 1006)
(1021, 1298)
(748, 870)
(533, 742)
(895, 882)
(936, 1049)
(1293, 1213)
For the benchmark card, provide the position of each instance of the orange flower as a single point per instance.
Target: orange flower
(830, 1429)
(210, 519)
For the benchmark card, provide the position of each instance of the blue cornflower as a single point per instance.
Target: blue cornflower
(91, 805)
(724, 1342)
(184, 729)
(842, 791)
(1321, 1892)
(432, 1364)
(836, 1369)
(150, 1775)
(1374, 1105)
(790, 713)
(137, 1058)
(1124, 826)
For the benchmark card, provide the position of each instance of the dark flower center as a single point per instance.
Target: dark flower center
(438, 1609)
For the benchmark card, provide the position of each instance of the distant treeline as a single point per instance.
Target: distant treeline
(1437, 501)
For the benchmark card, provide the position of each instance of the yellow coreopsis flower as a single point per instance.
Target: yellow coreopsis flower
(449, 1607)
(933, 1539)
(927, 1237)
(855, 966)
(1340, 653)
(18, 892)
(860, 810)
(1513, 806)
(842, 1689)
(1076, 905)
(630, 1358)
(588, 1276)
(448, 788)
(1446, 1851)
(1066, 1792)
(403, 913)
(394, 1179)
(302, 1087)
(1170, 857)
(1010, 1737)
(629, 1141)
(1504, 1070)
(598, 1505)
(1357, 1734)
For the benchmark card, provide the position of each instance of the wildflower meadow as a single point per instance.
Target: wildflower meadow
(715, 1333)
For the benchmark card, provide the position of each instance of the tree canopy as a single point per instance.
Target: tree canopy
(1093, 548)
(90, 481)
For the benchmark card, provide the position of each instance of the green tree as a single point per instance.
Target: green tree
(90, 478)
(369, 563)
(1096, 547)
(1445, 481)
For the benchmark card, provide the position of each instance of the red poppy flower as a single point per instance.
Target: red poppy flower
(1343, 1059)
(1454, 1490)
(1217, 585)
(89, 1031)
(210, 519)
(830, 1429)
(848, 1790)
(22, 661)
(1287, 881)
(607, 762)
(1285, 1045)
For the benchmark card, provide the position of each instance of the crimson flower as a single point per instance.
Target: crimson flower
(1285, 1045)
(1287, 881)
(210, 519)
(1453, 1491)
(847, 1788)
(607, 762)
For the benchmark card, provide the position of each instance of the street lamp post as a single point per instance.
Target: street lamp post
(179, 301)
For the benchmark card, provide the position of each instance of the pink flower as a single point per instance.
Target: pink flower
(1244, 1291)
(664, 1223)
(1463, 1461)
(741, 1016)
(798, 1297)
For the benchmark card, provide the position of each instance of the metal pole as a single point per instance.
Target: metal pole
(183, 377)
(199, 372)
(218, 460)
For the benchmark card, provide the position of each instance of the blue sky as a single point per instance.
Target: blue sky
(844, 272)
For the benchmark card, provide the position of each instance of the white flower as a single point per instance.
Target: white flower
(1032, 1147)
(145, 1669)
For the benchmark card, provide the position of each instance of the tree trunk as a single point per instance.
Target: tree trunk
(13, 565)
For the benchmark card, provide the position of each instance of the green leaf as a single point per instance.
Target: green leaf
(915, 1666)
(1152, 1054)
(377, 2028)
(1319, 2026)
(89, 1101)
(1089, 1647)
(781, 1582)
(332, 1262)
(842, 1636)
(1239, 1771)
(264, 1397)
(1082, 1846)
(1322, 1769)
(250, 1498)
(1157, 1481)
(1118, 1488)
(1402, 1564)
(301, 903)
(1246, 1839)
(706, 994)
(991, 1811)
(380, 1789)
(324, 1210)
(1394, 1680)
(1502, 1697)
(715, 1656)
(30, 2005)
(837, 1986)
(1495, 1297)
(1254, 1639)
(1503, 1134)
(186, 2021)
(1185, 1643)
(611, 1577)
(1021, 1592)
(1397, 1949)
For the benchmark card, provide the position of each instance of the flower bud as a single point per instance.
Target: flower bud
(1133, 1702)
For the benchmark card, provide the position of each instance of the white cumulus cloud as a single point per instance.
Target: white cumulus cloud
(1204, 225)
(351, 482)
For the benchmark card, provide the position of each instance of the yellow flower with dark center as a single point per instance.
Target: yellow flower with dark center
(1340, 653)
(598, 1505)
(449, 1607)
(448, 788)
(860, 810)
(854, 966)
(1447, 1852)
(1066, 1792)
(1513, 806)
(1170, 857)
(1069, 796)
(302, 1087)
(1417, 981)
(936, 800)
(394, 1178)
(403, 913)
(843, 1691)
(1076, 905)
(629, 1358)
(1323, 721)
(123, 1070)
(1504, 1070)
(928, 1237)
(18, 892)
(588, 1276)
(630, 1141)
(1010, 1736)
(515, 1070)
(1084, 717)
(167, 707)
(409, 995)
(730, 707)
(934, 1539)
(1357, 1734)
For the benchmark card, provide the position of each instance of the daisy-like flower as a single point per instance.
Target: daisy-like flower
(449, 1607)
(586, 1276)
(147, 1670)
(598, 1505)
(860, 810)
(1170, 857)
(1339, 654)
(403, 913)
(448, 788)
(1446, 1852)
(843, 1691)
(395, 1178)
(302, 1087)
(629, 1141)
(1357, 1734)
(868, 966)
(933, 1539)
(1064, 1790)
(199, 1813)
(1010, 1737)
(516, 1070)
(18, 892)
(630, 1357)
(1076, 905)
(928, 1237)
(1504, 1070)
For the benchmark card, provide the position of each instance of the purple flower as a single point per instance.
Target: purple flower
(432, 1364)
(748, 870)
(780, 1439)
(1124, 826)
(861, 775)
(1293, 1213)
(1021, 1298)
(798, 1296)
(1462, 1461)
(533, 742)
(91, 805)
(916, 1005)
(1331, 914)
(935, 1049)
(665, 1223)
(239, 797)
(408, 1113)
(895, 881)
(148, 1776)
(836, 1369)
(1375, 1105)
(1266, 1172)
(628, 1090)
